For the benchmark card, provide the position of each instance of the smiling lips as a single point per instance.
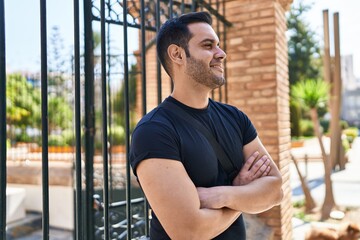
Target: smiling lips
(218, 67)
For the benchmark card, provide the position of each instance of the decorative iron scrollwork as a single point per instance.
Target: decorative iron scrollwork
(118, 220)
(114, 11)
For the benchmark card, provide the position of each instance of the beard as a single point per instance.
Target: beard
(202, 73)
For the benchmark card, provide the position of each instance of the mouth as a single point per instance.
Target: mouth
(217, 67)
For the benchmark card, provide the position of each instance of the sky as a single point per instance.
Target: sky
(22, 18)
(22, 30)
(349, 18)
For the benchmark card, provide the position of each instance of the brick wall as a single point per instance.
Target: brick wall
(258, 84)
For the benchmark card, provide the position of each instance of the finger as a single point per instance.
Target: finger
(257, 165)
(262, 169)
(250, 161)
(267, 171)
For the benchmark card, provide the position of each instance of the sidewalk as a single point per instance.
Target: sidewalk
(346, 183)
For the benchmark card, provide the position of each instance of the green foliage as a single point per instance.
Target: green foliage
(303, 216)
(119, 99)
(346, 144)
(24, 109)
(344, 124)
(117, 135)
(68, 137)
(306, 127)
(23, 102)
(22, 136)
(351, 134)
(60, 113)
(303, 49)
(295, 116)
(299, 203)
(325, 124)
(56, 61)
(310, 93)
(56, 140)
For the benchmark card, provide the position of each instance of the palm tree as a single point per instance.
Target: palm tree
(312, 93)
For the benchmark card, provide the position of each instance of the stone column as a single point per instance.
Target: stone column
(257, 75)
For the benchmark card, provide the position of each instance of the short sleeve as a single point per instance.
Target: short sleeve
(153, 140)
(247, 128)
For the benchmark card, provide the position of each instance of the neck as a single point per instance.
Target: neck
(192, 97)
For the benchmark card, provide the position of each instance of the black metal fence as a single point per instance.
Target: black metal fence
(99, 212)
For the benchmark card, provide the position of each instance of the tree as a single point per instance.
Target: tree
(118, 102)
(312, 94)
(23, 104)
(56, 61)
(309, 200)
(303, 49)
(304, 57)
(60, 114)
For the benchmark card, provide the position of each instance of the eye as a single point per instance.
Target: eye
(208, 46)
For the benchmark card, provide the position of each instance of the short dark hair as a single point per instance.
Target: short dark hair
(176, 31)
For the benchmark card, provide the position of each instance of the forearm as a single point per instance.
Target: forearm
(208, 224)
(257, 196)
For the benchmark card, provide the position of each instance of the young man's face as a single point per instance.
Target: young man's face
(205, 64)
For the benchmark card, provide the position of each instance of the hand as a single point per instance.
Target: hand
(253, 169)
(210, 197)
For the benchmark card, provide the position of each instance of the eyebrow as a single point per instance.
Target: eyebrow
(209, 40)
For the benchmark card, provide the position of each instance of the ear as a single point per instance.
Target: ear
(176, 54)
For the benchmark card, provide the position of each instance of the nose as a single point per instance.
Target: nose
(220, 54)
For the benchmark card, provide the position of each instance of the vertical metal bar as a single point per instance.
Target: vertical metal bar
(224, 29)
(213, 91)
(202, 6)
(104, 121)
(171, 3)
(78, 178)
(2, 123)
(109, 106)
(127, 123)
(89, 129)
(143, 89)
(158, 65)
(182, 7)
(193, 6)
(44, 122)
(218, 32)
(143, 57)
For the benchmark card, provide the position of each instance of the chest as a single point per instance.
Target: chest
(198, 156)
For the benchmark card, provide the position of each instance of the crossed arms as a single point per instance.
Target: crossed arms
(187, 212)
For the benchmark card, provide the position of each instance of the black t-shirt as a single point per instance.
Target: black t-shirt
(161, 134)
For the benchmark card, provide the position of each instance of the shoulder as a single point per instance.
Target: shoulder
(238, 118)
(155, 121)
(230, 110)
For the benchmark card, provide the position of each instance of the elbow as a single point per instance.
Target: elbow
(279, 194)
(279, 197)
(189, 232)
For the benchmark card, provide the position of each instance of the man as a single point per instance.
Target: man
(190, 194)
